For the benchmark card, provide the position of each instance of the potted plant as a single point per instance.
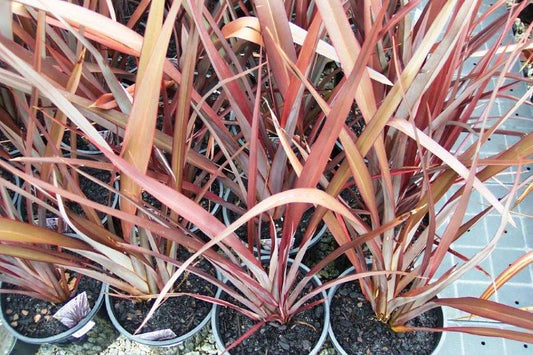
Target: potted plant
(421, 143)
(263, 293)
(45, 297)
(134, 254)
(280, 160)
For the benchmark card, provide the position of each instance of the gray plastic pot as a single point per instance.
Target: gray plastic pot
(64, 337)
(114, 201)
(323, 335)
(331, 333)
(7, 340)
(104, 133)
(314, 239)
(158, 343)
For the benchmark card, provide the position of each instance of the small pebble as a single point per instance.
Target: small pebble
(44, 311)
(15, 316)
(25, 312)
(9, 311)
(37, 318)
(14, 324)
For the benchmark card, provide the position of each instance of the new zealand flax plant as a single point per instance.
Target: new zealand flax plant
(64, 90)
(422, 141)
(263, 64)
(137, 254)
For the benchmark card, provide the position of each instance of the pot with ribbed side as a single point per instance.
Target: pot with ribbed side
(306, 332)
(354, 328)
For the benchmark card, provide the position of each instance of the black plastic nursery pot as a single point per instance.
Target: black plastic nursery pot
(184, 315)
(304, 334)
(354, 328)
(75, 334)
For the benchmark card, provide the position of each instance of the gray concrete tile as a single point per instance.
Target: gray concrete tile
(513, 237)
(476, 236)
(453, 344)
(527, 223)
(475, 344)
(517, 347)
(502, 258)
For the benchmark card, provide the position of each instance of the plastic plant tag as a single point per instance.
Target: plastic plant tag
(74, 311)
(84, 330)
(162, 334)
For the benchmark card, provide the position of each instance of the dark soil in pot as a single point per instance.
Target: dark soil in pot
(32, 317)
(180, 314)
(152, 203)
(352, 197)
(359, 332)
(94, 191)
(325, 246)
(298, 336)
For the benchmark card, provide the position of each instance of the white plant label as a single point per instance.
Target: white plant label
(74, 311)
(84, 330)
(162, 334)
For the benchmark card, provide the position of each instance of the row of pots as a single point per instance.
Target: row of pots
(77, 332)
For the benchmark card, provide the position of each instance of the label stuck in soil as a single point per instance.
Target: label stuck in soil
(162, 334)
(74, 310)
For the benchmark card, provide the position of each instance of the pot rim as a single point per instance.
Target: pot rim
(67, 147)
(114, 200)
(266, 252)
(336, 343)
(321, 340)
(61, 337)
